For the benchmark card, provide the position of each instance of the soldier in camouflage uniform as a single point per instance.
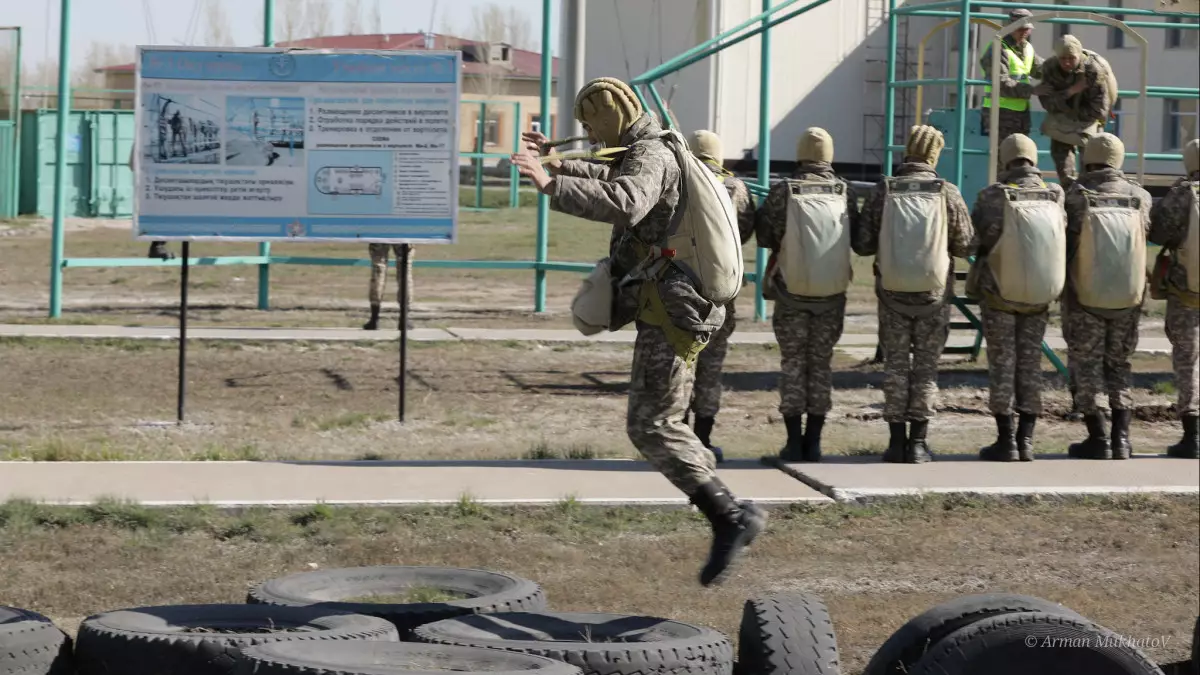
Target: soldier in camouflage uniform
(379, 265)
(639, 194)
(1101, 341)
(913, 327)
(1018, 63)
(1170, 219)
(806, 328)
(706, 395)
(1014, 332)
(1075, 95)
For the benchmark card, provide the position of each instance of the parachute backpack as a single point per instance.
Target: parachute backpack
(913, 252)
(1029, 261)
(814, 256)
(1190, 251)
(703, 240)
(1109, 269)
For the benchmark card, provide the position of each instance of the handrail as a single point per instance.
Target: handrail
(1103, 11)
(921, 54)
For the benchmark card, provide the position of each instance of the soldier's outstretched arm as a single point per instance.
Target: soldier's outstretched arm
(771, 218)
(743, 204)
(864, 239)
(580, 169)
(959, 224)
(1168, 218)
(626, 199)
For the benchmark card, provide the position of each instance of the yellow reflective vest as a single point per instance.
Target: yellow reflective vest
(1020, 68)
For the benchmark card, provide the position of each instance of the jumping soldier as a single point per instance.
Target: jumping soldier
(1078, 91)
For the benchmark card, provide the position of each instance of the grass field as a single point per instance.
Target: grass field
(97, 400)
(1129, 564)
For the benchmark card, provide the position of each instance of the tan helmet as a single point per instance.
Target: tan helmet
(1191, 156)
(925, 144)
(608, 107)
(1018, 146)
(1069, 44)
(707, 145)
(815, 145)
(1104, 149)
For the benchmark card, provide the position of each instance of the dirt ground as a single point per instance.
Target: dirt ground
(1128, 564)
(114, 400)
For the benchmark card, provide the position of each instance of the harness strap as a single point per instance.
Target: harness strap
(651, 310)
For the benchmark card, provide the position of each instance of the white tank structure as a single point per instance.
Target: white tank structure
(349, 180)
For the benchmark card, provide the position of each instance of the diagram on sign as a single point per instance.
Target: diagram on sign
(264, 131)
(181, 129)
(349, 180)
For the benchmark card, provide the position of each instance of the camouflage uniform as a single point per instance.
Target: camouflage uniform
(1014, 338)
(1169, 229)
(1090, 106)
(807, 328)
(913, 325)
(1100, 342)
(706, 395)
(638, 195)
(1011, 121)
(379, 265)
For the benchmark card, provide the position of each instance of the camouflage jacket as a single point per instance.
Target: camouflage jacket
(637, 194)
(1169, 224)
(865, 237)
(771, 220)
(1108, 181)
(1010, 86)
(1089, 106)
(987, 217)
(743, 201)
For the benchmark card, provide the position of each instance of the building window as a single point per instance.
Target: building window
(491, 128)
(1181, 123)
(1061, 29)
(1116, 36)
(1178, 38)
(537, 119)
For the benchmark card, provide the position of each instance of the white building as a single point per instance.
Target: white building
(828, 68)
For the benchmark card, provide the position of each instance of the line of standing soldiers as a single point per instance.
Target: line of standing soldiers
(1033, 243)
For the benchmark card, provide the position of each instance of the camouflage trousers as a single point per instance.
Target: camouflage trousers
(1011, 122)
(911, 350)
(660, 387)
(1063, 155)
(379, 265)
(806, 342)
(1183, 330)
(1014, 353)
(1099, 349)
(706, 395)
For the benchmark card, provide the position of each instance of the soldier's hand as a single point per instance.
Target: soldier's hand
(530, 166)
(1078, 87)
(535, 142)
(1043, 90)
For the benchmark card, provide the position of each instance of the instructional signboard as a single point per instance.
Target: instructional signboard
(270, 144)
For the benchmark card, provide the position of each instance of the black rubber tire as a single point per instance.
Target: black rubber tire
(592, 641)
(390, 658)
(30, 644)
(1017, 643)
(787, 634)
(908, 644)
(174, 639)
(491, 591)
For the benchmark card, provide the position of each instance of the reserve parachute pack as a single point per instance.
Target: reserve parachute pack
(814, 257)
(591, 308)
(1029, 261)
(1109, 269)
(1189, 254)
(913, 252)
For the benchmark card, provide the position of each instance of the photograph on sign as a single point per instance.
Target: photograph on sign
(265, 144)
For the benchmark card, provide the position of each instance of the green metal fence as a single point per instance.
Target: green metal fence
(10, 105)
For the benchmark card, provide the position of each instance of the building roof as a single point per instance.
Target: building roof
(525, 63)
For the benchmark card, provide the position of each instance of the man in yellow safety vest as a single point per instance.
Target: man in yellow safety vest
(1018, 64)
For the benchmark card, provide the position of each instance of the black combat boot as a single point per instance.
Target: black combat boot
(1025, 425)
(793, 451)
(734, 527)
(1120, 433)
(812, 438)
(899, 439)
(1096, 444)
(917, 450)
(373, 322)
(158, 249)
(704, 427)
(1005, 447)
(1188, 447)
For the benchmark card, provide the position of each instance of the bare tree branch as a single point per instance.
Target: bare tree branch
(291, 18)
(217, 30)
(352, 18)
(375, 24)
(318, 18)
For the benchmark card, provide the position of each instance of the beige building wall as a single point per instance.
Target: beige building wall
(501, 109)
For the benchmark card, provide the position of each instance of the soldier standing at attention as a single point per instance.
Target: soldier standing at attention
(806, 221)
(1018, 63)
(1074, 91)
(706, 395)
(1108, 216)
(1021, 259)
(915, 224)
(639, 195)
(1175, 225)
(379, 265)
